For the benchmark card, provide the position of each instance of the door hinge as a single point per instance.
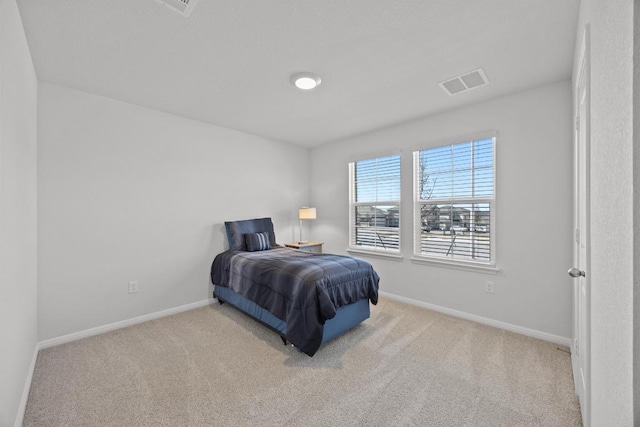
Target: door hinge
(576, 235)
(577, 122)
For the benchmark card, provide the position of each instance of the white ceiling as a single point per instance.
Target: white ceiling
(230, 62)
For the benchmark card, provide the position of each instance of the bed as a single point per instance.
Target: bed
(307, 298)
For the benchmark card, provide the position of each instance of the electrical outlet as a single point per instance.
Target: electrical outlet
(133, 286)
(489, 287)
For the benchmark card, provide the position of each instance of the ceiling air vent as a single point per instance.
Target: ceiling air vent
(183, 7)
(464, 82)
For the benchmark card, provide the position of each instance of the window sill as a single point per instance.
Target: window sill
(457, 265)
(391, 256)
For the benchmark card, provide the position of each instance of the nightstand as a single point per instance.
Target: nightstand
(306, 246)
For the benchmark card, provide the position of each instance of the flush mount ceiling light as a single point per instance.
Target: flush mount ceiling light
(305, 80)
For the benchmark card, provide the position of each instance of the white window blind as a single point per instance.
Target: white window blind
(374, 204)
(454, 196)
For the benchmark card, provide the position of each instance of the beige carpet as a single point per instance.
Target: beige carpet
(214, 366)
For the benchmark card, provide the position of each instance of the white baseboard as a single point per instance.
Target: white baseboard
(122, 324)
(27, 388)
(484, 320)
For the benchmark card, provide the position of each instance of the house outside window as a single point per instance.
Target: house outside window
(454, 203)
(374, 204)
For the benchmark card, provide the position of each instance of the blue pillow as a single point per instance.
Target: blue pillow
(257, 241)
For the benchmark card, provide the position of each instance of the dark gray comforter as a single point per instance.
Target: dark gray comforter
(304, 289)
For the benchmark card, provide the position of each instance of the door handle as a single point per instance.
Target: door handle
(575, 273)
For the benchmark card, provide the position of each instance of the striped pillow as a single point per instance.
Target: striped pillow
(257, 241)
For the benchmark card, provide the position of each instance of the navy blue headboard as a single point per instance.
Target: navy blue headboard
(237, 229)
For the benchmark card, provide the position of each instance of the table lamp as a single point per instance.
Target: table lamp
(305, 213)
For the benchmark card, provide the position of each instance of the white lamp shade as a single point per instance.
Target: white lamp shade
(307, 213)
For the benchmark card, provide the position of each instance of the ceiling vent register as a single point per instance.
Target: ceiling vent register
(183, 7)
(465, 82)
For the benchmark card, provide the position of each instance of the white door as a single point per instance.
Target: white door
(580, 271)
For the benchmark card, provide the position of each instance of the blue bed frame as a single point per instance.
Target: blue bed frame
(346, 317)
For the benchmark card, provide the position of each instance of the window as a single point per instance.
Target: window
(374, 204)
(454, 203)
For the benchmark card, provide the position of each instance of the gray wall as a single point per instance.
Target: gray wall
(612, 209)
(18, 242)
(533, 200)
(127, 193)
(636, 217)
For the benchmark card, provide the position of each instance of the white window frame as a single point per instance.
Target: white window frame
(369, 250)
(445, 261)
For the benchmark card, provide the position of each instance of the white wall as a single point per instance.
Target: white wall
(533, 199)
(612, 209)
(127, 193)
(18, 250)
